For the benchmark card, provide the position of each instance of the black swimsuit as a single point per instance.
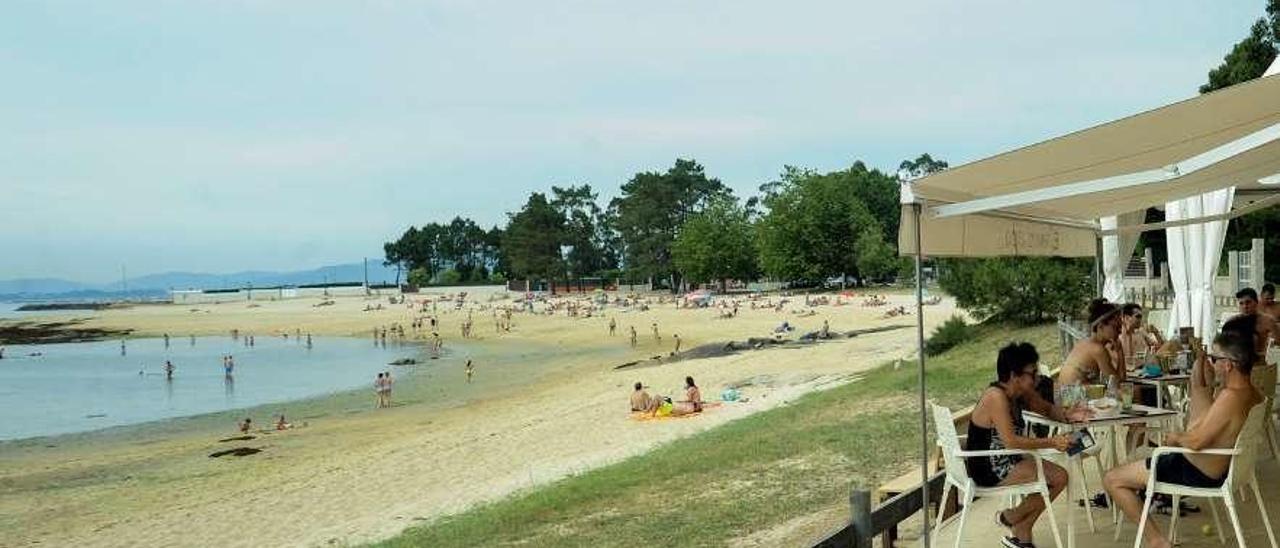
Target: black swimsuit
(990, 471)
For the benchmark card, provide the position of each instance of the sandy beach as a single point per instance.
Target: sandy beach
(547, 401)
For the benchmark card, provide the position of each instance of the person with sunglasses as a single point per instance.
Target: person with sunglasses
(1135, 338)
(1212, 423)
(996, 423)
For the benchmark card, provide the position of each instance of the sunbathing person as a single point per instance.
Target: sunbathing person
(997, 424)
(1212, 423)
(692, 402)
(640, 400)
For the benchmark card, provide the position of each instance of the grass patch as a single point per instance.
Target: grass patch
(746, 476)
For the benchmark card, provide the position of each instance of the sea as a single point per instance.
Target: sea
(63, 388)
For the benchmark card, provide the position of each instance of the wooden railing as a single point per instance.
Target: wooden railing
(867, 523)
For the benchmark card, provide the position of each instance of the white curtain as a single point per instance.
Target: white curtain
(1116, 251)
(1194, 253)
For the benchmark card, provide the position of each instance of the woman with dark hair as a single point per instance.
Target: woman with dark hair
(1096, 358)
(692, 402)
(1212, 423)
(996, 423)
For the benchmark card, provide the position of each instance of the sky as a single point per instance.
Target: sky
(228, 135)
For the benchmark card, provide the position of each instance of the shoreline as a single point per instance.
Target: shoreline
(546, 403)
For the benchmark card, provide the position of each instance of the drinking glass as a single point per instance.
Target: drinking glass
(1126, 395)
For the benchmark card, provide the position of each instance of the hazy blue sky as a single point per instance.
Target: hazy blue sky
(226, 135)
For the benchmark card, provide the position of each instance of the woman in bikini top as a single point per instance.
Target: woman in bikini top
(1094, 358)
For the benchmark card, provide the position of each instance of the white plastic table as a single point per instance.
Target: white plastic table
(1123, 418)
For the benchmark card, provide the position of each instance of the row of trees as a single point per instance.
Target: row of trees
(806, 226)
(679, 225)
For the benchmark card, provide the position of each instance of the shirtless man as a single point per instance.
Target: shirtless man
(1268, 304)
(640, 400)
(1134, 338)
(469, 371)
(633, 336)
(1092, 360)
(1213, 423)
(1247, 300)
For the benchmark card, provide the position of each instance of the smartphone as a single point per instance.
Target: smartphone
(1080, 440)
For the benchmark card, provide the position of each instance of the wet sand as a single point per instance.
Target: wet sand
(546, 401)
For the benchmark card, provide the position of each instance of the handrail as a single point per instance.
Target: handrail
(867, 522)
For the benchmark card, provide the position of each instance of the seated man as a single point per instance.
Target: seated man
(1212, 423)
(640, 399)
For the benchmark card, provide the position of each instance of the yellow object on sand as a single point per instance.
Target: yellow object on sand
(664, 410)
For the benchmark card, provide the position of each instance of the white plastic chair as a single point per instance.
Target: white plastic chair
(957, 476)
(1242, 473)
(1264, 379)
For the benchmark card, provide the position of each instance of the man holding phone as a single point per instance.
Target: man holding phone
(1213, 423)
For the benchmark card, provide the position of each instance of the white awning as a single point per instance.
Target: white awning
(1045, 199)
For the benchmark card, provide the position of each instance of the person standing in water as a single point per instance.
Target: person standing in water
(386, 389)
(308, 340)
(166, 340)
(470, 371)
(377, 392)
(122, 350)
(168, 370)
(228, 365)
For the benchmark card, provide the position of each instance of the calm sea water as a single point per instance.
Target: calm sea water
(76, 387)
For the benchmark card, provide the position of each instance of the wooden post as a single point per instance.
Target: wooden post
(860, 508)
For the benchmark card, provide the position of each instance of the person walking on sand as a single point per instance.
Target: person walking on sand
(633, 336)
(470, 371)
(677, 338)
(613, 326)
(168, 370)
(656, 336)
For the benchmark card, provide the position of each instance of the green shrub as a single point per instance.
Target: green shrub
(952, 332)
(1026, 290)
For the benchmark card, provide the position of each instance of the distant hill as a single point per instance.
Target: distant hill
(157, 285)
(351, 272)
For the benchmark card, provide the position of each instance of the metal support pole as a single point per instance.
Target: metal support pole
(1098, 274)
(924, 419)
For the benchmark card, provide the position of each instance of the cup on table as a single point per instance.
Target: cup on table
(1095, 391)
(1126, 396)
